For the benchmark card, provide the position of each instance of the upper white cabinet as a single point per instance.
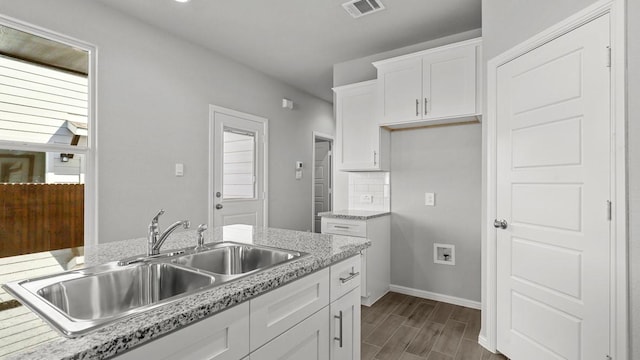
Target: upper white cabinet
(362, 144)
(434, 86)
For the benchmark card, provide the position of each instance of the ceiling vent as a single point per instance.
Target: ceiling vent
(358, 8)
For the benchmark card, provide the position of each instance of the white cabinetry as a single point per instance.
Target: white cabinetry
(220, 337)
(296, 321)
(434, 86)
(362, 144)
(345, 328)
(375, 274)
(307, 340)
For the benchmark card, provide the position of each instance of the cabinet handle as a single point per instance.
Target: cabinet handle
(339, 317)
(341, 227)
(417, 104)
(350, 277)
(375, 158)
(425, 106)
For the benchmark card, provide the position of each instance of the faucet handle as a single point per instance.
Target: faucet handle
(201, 229)
(155, 218)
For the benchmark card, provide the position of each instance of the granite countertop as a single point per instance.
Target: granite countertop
(354, 214)
(122, 335)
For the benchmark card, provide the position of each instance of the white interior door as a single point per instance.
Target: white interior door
(553, 187)
(321, 181)
(238, 189)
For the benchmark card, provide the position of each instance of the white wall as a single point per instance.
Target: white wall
(153, 96)
(446, 161)
(633, 134)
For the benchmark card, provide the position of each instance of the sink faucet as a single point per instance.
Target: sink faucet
(201, 229)
(156, 239)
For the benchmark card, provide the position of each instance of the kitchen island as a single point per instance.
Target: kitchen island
(117, 338)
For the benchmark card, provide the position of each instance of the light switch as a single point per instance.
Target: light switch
(366, 198)
(179, 169)
(430, 199)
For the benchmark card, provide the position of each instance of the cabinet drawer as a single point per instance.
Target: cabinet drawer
(220, 337)
(345, 227)
(345, 276)
(279, 310)
(308, 340)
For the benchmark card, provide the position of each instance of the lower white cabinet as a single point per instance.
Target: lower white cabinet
(300, 320)
(345, 327)
(308, 340)
(220, 337)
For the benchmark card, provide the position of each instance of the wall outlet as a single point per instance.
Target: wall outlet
(444, 254)
(430, 199)
(366, 198)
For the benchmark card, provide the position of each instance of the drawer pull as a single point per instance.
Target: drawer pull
(350, 277)
(339, 317)
(341, 227)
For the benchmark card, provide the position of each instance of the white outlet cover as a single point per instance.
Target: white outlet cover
(179, 169)
(430, 199)
(366, 198)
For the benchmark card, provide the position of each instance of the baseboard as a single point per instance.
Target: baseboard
(435, 296)
(484, 343)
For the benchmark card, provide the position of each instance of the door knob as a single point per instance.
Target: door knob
(219, 206)
(500, 224)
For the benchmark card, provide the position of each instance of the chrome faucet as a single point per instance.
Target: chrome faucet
(156, 239)
(201, 229)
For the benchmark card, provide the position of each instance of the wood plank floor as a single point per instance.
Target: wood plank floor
(403, 327)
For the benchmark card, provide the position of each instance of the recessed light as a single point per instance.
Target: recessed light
(182, 1)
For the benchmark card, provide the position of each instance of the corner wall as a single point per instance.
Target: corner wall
(154, 91)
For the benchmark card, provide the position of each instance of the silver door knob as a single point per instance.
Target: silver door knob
(500, 224)
(219, 206)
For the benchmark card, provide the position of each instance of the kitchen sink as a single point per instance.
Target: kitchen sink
(236, 259)
(79, 301)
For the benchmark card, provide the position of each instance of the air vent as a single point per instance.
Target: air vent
(358, 8)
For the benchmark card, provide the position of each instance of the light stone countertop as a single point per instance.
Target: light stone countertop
(354, 214)
(127, 333)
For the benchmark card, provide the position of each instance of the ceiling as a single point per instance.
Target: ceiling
(298, 41)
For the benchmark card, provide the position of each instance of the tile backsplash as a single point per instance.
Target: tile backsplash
(369, 191)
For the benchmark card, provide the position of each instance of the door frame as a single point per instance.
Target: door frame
(619, 336)
(330, 138)
(213, 109)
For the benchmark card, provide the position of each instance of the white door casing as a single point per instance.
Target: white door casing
(321, 180)
(553, 185)
(238, 168)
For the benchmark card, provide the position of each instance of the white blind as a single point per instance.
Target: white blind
(36, 102)
(239, 166)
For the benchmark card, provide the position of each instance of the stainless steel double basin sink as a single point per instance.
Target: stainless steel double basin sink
(77, 302)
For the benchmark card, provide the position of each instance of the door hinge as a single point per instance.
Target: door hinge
(608, 58)
(609, 210)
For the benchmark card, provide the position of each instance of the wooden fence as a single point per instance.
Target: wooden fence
(40, 217)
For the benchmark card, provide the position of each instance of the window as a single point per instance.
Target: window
(47, 166)
(239, 165)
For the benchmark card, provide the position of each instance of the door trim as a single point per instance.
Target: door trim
(618, 232)
(265, 173)
(319, 135)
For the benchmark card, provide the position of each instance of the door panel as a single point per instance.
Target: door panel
(238, 162)
(321, 181)
(553, 131)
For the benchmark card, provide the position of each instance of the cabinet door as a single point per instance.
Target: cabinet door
(400, 91)
(358, 131)
(277, 311)
(345, 327)
(449, 83)
(308, 340)
(220, 337)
